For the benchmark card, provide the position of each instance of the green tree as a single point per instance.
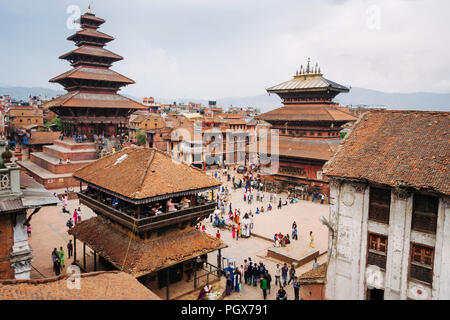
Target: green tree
(56, 121)
(141, 137)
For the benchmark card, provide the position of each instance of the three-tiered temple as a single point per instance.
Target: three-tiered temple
(92, 104)
(309, 124)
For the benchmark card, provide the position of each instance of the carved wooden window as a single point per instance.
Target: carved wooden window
(377, 248)
(425, 210)
(422, 259)
(379, 205)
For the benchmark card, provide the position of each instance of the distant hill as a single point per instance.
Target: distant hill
(22, 93)
(266, 102)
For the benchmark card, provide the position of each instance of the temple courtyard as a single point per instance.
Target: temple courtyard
(49, 231)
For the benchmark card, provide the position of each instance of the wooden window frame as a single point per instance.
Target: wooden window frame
(378, 203)
(374, 251)
(421, 265)
(415, 228)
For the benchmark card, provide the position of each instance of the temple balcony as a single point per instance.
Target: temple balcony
(129, 217)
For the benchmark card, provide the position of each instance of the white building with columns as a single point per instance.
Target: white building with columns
(20, 198)
(390, 208)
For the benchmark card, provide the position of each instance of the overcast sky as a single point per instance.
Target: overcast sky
(213, 49)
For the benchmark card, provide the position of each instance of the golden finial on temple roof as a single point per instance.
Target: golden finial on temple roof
(89, 9)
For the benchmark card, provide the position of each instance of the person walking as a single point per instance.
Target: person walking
(69, 223)
(238, 227)
(284, 274)
(75, 216)
(291, 274)
(245, 271)
(228, 285)
(29, 230)
(264, 287)
(61, 256)
(237, 279)
(294, 231)
(218, 234)
(55, 260)
(277, 275)
(296, 286)
(70, 249)
(233, 231)
(279, 204)
(268, 278)
(255, 273)
(311, 243)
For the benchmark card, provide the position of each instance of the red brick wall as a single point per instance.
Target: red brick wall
(312, 292)
(6, 244)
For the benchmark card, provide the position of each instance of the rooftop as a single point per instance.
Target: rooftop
(306, 113)
(93, 100)
(144, 173)
(397, 149)
(139, 257)
(111, 285)
(307, 79)
(316, 275)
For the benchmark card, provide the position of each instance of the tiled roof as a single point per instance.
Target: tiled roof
(92, 51)
(144, 256)
(110, 285)
(43, 137)
(307, 83)
(317, 275)
(306, 113)
(92, 33)
(92, 73)
(322, 149)
(398, 149)
(93, 100)
(140, 173)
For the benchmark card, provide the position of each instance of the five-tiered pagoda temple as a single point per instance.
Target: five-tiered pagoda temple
(309, 124)
(92, 104)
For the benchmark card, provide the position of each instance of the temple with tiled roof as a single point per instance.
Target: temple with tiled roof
(309, 125)
(92, 105)
(147, 207)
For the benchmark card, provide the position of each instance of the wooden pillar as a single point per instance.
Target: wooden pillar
(81, 186)
(139, 211)
(84, 256)
(219, 259)
(168, 282)
(95, 261)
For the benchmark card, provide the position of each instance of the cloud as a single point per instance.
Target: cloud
(213, 49)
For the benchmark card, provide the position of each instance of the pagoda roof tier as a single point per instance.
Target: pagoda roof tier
(89, 20)
(93, 100)
(139, 257)
(102, 37)
(144, 174)
(92, 51)
(315, 149)
(306, 113)
(92, 73)
(307, 83)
